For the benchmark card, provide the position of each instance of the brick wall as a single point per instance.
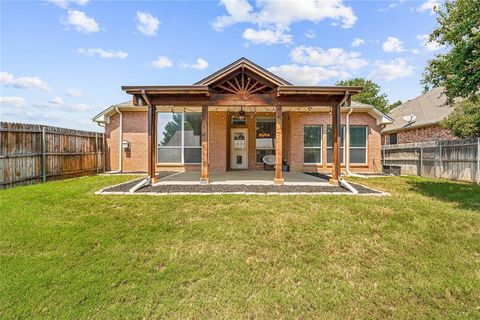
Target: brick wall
(135, 131)
(299, 120)
(435, 132)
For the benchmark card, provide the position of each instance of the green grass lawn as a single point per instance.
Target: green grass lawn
(68, 253)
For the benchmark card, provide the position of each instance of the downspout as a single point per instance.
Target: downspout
(347, 146)
(120, 153)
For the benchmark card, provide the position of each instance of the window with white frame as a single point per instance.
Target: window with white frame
(312, 144)
(179, 137)
(358, 144)
(330, 145)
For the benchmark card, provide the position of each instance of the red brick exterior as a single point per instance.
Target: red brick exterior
(434, 132)
(135, 131)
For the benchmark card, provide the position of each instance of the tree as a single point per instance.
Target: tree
(394, 105)
(464, 121)
(458, 71)
(370, 93)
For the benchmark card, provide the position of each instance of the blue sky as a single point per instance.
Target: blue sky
(63, 61)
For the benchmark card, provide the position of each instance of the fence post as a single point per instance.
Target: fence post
(44, 154)
(421, 161)
(440, 157)
(478, 160)
(96, 153)
(104, 153)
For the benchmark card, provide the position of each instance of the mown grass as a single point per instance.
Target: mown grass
(68, 253)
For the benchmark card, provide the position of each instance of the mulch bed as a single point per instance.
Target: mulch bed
(227, 188)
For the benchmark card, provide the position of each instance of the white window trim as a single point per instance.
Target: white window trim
(366, 147)
(181, 147)
(314, 148)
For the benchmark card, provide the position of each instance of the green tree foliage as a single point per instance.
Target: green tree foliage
(458, 70)
(395, 104)
(464, 121)
(370, 94)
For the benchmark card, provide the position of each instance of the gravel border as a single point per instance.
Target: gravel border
(235, 189)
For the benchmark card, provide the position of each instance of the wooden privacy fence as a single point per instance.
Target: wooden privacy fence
(30, 153)
(448, 159)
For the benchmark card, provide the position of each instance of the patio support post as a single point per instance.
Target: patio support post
(278, 180)
(336, 158)
(151, 142)
(204, 175)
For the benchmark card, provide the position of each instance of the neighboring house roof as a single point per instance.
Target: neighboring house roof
(426, 110)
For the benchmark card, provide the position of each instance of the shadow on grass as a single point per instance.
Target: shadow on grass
(464, 195)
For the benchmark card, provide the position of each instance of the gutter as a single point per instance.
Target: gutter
(120, 153)
(347, 146)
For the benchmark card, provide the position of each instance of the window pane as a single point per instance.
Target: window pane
(312, 136)
(169, 132)
(193, 155)
(358, 155)
(312, 155)
(261, 153)
(393, 138)
(329, 136)
(193, 129)
(358, 136)
(329, 155)
(169, 155)
(265, 133)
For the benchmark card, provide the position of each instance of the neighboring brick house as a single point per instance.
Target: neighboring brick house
(419, 119)
(240, 135)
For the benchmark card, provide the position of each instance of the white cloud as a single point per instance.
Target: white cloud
(391, 70)
(415, 51)
(103, 53)
(81, 22)
(277, 16)
(429, 5)
(64, 3)
(307, 75)
(267, 36)
(429, 45)
(79, 107)
(357, 42)
(393, 45)
(16, 102)
(162, 62)
(310, 34)
(333, 57)
(56, 100)
(73, 93)
(24, 82)
(200, 64)
(147, 24)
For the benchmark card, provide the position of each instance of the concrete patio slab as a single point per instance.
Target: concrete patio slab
(242, 178)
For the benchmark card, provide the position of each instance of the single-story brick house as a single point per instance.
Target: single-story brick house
(235, 117)
(419, 119)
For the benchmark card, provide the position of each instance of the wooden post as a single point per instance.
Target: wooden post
(278, 180)
(104, 153)
(151, 143)
(440, 157)
(44, 154)
(96, 153)
(204, 174)
(336, 143)
(421, 161)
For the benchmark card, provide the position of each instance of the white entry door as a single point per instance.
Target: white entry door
(239, 149)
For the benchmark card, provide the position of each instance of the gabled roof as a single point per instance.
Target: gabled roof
(428, 109)
(245, 63)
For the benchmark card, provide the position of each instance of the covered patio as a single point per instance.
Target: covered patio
(236, 87)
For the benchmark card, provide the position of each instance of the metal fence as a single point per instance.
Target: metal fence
(32, 153)
(448, 159)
